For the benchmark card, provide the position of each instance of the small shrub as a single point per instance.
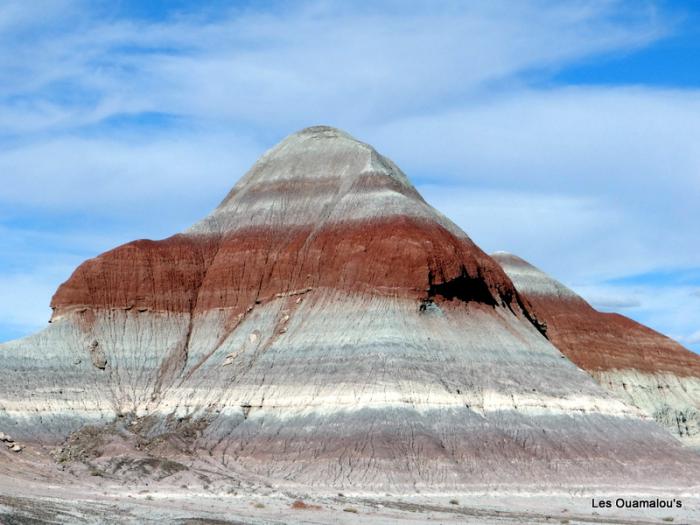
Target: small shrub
(669, 519)
(350, 509)
(259, 505)
(454, 502)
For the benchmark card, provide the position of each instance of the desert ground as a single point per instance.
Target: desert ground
(75, 492)
(40, 504)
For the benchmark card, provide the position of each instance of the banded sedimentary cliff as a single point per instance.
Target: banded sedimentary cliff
(324, 325)
(637, 364)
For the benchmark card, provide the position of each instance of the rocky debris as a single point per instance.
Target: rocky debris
(230, 358)
(147, 467)
(428, 307)
(10, 443)
(293, 293)
(83, 445)
(97, 355)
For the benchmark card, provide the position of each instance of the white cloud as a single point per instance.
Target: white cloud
(34, 263)
(312, 62)
(663, 307)
(614, 171)
(694, 338)
(163, 184)
(549, 229)
(613, 303)
(20, 306)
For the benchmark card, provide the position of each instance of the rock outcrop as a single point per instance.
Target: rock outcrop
(637, 364)
(10, 443)
(325, 326)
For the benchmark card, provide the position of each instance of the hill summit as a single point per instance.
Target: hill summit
(323, 326)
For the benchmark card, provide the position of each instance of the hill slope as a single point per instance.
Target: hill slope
(323, 326)
(637, 364)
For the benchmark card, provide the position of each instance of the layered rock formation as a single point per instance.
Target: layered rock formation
(325, 326)
(637, 364)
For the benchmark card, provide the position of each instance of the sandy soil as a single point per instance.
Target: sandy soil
(57, 485)
(102, 501)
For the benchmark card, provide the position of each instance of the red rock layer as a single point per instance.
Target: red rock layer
(596, 341)
(160, 275)
(396, 255)
(600, 341)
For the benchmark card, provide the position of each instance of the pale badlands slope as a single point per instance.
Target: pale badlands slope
(637, 364)
(325, 326)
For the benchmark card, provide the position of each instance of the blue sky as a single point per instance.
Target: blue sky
(565, 132)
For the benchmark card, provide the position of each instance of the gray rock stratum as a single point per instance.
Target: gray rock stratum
(324, 326)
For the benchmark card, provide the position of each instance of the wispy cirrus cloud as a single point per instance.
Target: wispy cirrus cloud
(664, 302)
(288, 65)
(618, 166)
